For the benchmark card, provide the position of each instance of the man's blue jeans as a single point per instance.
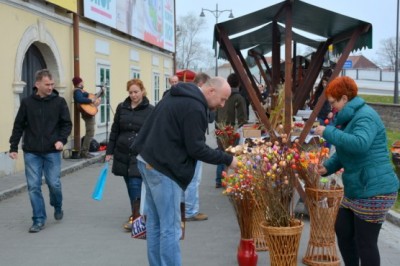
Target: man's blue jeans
(163, 217)
(37, 165)
(192, 192)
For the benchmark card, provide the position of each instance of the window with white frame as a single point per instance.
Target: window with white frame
(166, 82)
(103, 76)
(156, 87)
(135, 73)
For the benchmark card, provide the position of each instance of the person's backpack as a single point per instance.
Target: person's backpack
(94, 145)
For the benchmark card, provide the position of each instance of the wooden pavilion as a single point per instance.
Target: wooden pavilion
(266, 30)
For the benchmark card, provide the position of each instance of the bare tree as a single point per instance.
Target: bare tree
(190, 51)
(387, 53)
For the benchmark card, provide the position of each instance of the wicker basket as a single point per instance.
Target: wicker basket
(283, 243)
(323, 206)
(257, 231)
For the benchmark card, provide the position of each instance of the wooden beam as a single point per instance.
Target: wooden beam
(339, 65)
(309, 81)
(237, 66)
(262, 72)
(268, 70)
(288, 69)
(253, 86)
(77, 119)
(294, 64)
(276, 58)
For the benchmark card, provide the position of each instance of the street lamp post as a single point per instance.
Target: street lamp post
(216, 14)
(396, 66)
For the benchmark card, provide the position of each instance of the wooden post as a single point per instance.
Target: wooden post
(77, 120)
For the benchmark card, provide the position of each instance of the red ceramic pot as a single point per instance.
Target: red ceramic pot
(247, 255)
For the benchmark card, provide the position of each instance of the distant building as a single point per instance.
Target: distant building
(361, 62)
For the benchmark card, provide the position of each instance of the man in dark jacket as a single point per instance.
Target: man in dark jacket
(44, 120)
(192, 199)
(233, 113)
(169, 144)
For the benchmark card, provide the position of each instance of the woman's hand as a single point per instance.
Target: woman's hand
(321, 169)
(108, 157)
(319, 130)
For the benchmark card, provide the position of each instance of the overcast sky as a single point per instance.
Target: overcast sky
(381, 14)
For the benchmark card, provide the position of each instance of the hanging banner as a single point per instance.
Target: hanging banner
(102, 11)
(71, 5)
(151, 21)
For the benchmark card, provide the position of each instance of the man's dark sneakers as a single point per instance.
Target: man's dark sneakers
(58, 214)
(36, 227)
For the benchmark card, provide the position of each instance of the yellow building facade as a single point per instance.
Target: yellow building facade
(37, 34)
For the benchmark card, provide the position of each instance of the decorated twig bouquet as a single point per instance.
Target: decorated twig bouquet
(271, 168)
(227, 136)
(268, 170)
(310, 158)
(239, 187)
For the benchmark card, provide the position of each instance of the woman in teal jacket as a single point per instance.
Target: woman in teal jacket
(370, 184)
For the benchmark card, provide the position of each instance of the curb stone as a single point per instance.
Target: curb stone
(393, 217)
(8, 193)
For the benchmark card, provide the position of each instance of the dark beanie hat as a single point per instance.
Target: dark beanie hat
(76, 81)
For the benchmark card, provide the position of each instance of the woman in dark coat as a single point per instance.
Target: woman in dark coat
(129, 118)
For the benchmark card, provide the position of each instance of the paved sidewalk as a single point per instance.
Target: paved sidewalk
(212, 242)
(13, 184)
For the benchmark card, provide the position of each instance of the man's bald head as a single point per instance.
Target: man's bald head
(173, 80)
(216, 91)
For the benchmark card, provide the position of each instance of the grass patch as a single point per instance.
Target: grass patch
(396, 206)
(392, 136)
(377, 98)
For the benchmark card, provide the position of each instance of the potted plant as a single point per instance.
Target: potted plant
(270, 168)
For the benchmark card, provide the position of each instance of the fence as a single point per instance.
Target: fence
(369, 74)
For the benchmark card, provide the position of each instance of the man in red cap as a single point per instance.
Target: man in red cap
(82, 98)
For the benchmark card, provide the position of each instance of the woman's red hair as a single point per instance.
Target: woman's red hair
(138, 83)
(342, 86)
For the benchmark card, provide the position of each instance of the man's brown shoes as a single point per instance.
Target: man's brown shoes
(198, 217)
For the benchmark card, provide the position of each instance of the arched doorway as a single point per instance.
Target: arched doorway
(33, 61)
(38, 36)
